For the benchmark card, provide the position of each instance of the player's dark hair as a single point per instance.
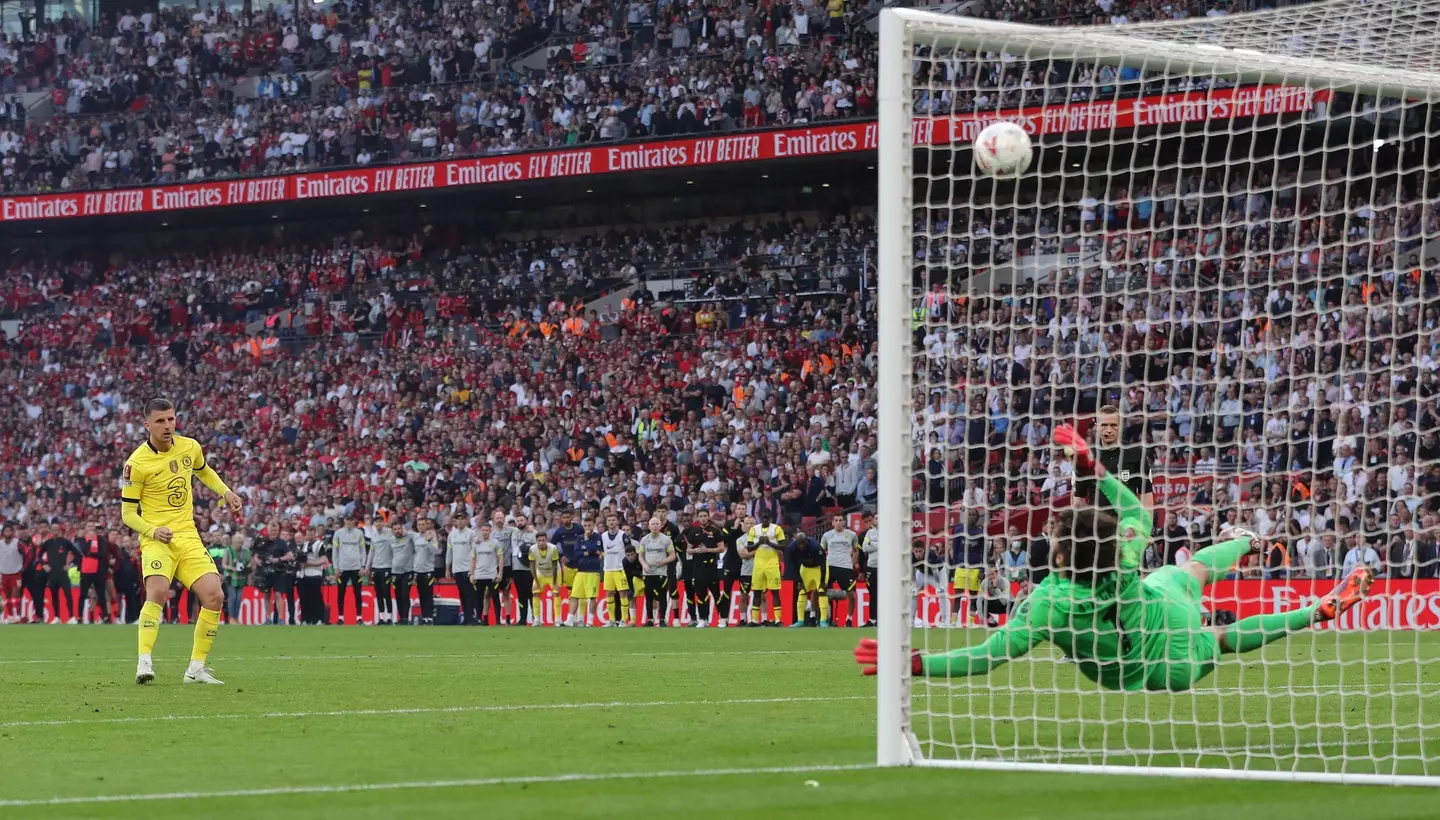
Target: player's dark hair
(1085, 543)
(157, 405)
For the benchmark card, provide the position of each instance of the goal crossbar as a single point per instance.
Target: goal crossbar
(1177, 48)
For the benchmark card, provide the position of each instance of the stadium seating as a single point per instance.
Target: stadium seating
(185, 94)
(752, 359)
(403, 306)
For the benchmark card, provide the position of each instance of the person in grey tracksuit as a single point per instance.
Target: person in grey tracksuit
(461, 542)
(347, 546)
(504, 536)
(403, 554)
(427, 556)
(486, 573)
(380, 563)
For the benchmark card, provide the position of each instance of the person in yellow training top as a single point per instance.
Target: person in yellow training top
(156, 502)
(767, 539)
(545, 569)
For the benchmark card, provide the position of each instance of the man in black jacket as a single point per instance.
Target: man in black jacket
(57, 553)
(703, 543)
(127, 583)
(730, 563)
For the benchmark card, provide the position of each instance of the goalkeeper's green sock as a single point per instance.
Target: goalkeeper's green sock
(1222, 557)
(1254, 632)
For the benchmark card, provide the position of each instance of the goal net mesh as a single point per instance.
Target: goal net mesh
(1241, 260)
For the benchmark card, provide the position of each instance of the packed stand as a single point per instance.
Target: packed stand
(745, 400)
(408, 86)
(1267, 353)
(1219, 357)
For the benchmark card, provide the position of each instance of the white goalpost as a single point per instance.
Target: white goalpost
(1229, 235)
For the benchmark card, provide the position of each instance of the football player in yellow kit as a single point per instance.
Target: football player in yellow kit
(156, 502)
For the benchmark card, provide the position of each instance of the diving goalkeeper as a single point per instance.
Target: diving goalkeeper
(1122, 631)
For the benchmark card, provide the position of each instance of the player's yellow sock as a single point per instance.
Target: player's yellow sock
(205, 628)
(149, 626)
(824, 605)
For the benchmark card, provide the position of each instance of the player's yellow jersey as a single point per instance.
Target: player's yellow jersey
(547, 561)
(160, 482)
(767, 557)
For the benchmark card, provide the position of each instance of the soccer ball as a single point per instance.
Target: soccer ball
(1003, 149)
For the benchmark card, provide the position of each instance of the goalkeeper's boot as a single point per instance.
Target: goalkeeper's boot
(1351, 591)
(198, 672)
(144, 670)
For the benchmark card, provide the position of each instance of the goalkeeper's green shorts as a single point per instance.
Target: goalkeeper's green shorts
(1184, 650)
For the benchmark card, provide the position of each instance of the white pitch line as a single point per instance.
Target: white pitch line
(434, 784)
(378, 656)
(432, 710)
(1211, 751)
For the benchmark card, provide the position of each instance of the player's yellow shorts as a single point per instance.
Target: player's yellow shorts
(184, 559)
(765, 578)
(812, 579)
(567, 577)
(616, 581)
(967, 579)
(585, 585)
(544, 584)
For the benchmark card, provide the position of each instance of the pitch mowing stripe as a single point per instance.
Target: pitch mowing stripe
(377, 656)
(435, 710)
(436, 784)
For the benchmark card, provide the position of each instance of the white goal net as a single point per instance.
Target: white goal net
(1221, 269)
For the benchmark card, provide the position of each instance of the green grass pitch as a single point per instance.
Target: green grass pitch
(436, 722)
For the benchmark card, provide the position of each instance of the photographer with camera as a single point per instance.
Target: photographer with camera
(272, 570)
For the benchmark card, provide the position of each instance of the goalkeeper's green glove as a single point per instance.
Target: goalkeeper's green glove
(868, 651)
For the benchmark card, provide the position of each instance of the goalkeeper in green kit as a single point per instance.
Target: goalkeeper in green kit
(1123, 631)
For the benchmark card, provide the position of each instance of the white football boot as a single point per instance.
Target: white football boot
(144, 671)
(198, 672)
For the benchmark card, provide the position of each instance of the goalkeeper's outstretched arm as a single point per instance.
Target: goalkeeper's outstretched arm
(1013, 640)
(1010, 641)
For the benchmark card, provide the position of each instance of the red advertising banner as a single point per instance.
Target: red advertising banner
(1393, 604)
(1173, 489)
(1135, 112)
(254, 609)
(695, 152)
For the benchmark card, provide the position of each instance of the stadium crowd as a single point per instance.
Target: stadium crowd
(740, 399)
(1269, 352)
(1268, 345)
(1291, 392)
(158, 101)
(191, 93)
